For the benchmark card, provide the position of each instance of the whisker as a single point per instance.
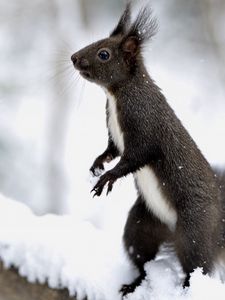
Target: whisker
(60, 73)
(80, 96)
(60, 61)
(70, 82)
(66, 44)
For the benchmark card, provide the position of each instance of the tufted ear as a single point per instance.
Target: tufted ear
(143, 29)
(124, 22)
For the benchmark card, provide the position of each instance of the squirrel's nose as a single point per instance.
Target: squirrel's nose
(74, 58)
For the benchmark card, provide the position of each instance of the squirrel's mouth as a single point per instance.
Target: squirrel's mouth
(85, 74)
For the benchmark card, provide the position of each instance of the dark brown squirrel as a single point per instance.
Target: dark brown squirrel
(179, 198)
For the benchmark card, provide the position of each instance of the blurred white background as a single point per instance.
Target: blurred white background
(52, 123)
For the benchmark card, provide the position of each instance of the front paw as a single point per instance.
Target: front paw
(130, 288)
(109, 178)
(97, 168)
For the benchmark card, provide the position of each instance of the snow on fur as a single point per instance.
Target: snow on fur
(74, 254)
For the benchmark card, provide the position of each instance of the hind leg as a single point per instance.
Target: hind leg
(195, 248)
(143, 235)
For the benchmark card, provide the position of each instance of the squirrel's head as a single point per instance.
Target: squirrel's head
(114, 59)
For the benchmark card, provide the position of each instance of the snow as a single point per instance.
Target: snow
(67, 252)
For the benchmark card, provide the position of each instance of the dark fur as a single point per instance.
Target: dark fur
(154, 136)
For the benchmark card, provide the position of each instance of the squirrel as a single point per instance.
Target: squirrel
(179, 198)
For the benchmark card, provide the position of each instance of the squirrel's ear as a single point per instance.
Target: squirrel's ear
(124, 21)
(144, 27)
(130, 46)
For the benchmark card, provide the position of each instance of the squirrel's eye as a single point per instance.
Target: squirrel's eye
(104, 55)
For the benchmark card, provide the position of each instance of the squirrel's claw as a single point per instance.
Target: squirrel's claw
(98, 188)
(110, 186)
(126, 289)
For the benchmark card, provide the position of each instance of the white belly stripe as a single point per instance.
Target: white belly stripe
(151, 191)
(147, 182)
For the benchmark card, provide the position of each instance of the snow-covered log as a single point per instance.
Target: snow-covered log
(14, 287)
(62, 252)
(60, 256)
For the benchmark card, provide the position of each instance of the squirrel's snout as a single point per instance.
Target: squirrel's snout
(79, 63)
(74, 58)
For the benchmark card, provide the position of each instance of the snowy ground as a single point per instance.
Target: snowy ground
(75, 254)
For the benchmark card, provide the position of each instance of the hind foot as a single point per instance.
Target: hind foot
(130, 288)
(127, 289)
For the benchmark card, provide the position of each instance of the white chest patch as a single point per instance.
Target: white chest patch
(113, 123)
(151, 191)
(146, 180)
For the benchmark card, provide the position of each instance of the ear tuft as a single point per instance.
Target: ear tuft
(124, 21)
(145, 26)
(143, 29)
